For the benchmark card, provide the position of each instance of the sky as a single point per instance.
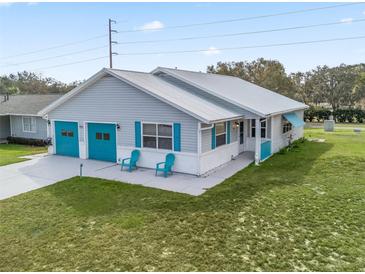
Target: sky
(28, 30)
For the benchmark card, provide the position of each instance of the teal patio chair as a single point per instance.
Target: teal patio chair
(166, 167)
(131, 162)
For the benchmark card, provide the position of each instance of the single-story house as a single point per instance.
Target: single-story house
(206, 120)
(19, 116)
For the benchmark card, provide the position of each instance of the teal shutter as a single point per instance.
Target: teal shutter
(228, 131)
(213, 137)
(137, 133)
(177, 137)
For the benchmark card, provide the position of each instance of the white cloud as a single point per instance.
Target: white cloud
(346, 20)
(6, 4)
(212, 51)
(154, 25)
(363, 12)
(32, 3)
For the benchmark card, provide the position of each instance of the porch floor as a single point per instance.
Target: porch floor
(44, 170)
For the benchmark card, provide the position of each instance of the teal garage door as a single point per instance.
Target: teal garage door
(102, 142)
(67, 138)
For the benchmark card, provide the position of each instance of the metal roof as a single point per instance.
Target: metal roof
(244, 94)
(179, 98)
(26, 104)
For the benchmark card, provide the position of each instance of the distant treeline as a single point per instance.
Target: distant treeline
(341, 87)
(31, 83)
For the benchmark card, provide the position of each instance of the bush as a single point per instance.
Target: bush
(341, 115)
(28, 141)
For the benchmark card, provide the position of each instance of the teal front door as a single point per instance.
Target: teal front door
(67, 138)
(102, 143)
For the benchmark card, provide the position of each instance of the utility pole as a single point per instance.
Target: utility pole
(111, 42)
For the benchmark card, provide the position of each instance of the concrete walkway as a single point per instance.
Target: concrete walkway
(44, 170)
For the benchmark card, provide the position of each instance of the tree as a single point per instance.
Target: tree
(31, 83)
(269, 74)
(340, 86)
(303, 87)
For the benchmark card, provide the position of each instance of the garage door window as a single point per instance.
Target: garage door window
(102, 136)
(157, 136)
(67, 133)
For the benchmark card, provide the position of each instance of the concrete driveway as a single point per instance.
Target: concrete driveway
(42, 171)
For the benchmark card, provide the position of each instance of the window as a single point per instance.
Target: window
(220, 134)
(263, 128)
(157, 136)
(106, 136)
(253, 128)
(70, 134)
(287, 126)
(64, 132)
(99, 136)
(29, 124)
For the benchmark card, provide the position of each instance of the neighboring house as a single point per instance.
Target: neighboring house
(19, 116)
(204, 119)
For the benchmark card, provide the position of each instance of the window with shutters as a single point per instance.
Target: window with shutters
(158, 136)
(220, 134)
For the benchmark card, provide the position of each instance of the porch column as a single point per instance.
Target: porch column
(257, 141)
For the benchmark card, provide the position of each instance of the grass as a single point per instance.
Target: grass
(337, 125)
(10, 153)
(301, 210)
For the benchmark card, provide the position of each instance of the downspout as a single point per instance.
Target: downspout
(199, 146)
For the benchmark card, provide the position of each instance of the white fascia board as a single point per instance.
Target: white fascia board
(159, 69)
(17, 114)
(288, 110)
(73, 92)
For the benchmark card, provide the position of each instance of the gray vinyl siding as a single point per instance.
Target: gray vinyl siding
(16, 123)
(112, 100)
(4, 127)
(206, 96)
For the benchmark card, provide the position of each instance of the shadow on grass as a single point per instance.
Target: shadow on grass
(282, 169)
(94, 197)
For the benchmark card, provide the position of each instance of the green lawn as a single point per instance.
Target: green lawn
(9, 153)
(337, 125)
(301, 210)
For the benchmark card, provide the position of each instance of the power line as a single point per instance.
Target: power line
(240, 33)
(72, 63)
(247, 18)
(55, 57)
(183, 26)
(246, 47)
(220, 49)
(55, 47)
(190, 38)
